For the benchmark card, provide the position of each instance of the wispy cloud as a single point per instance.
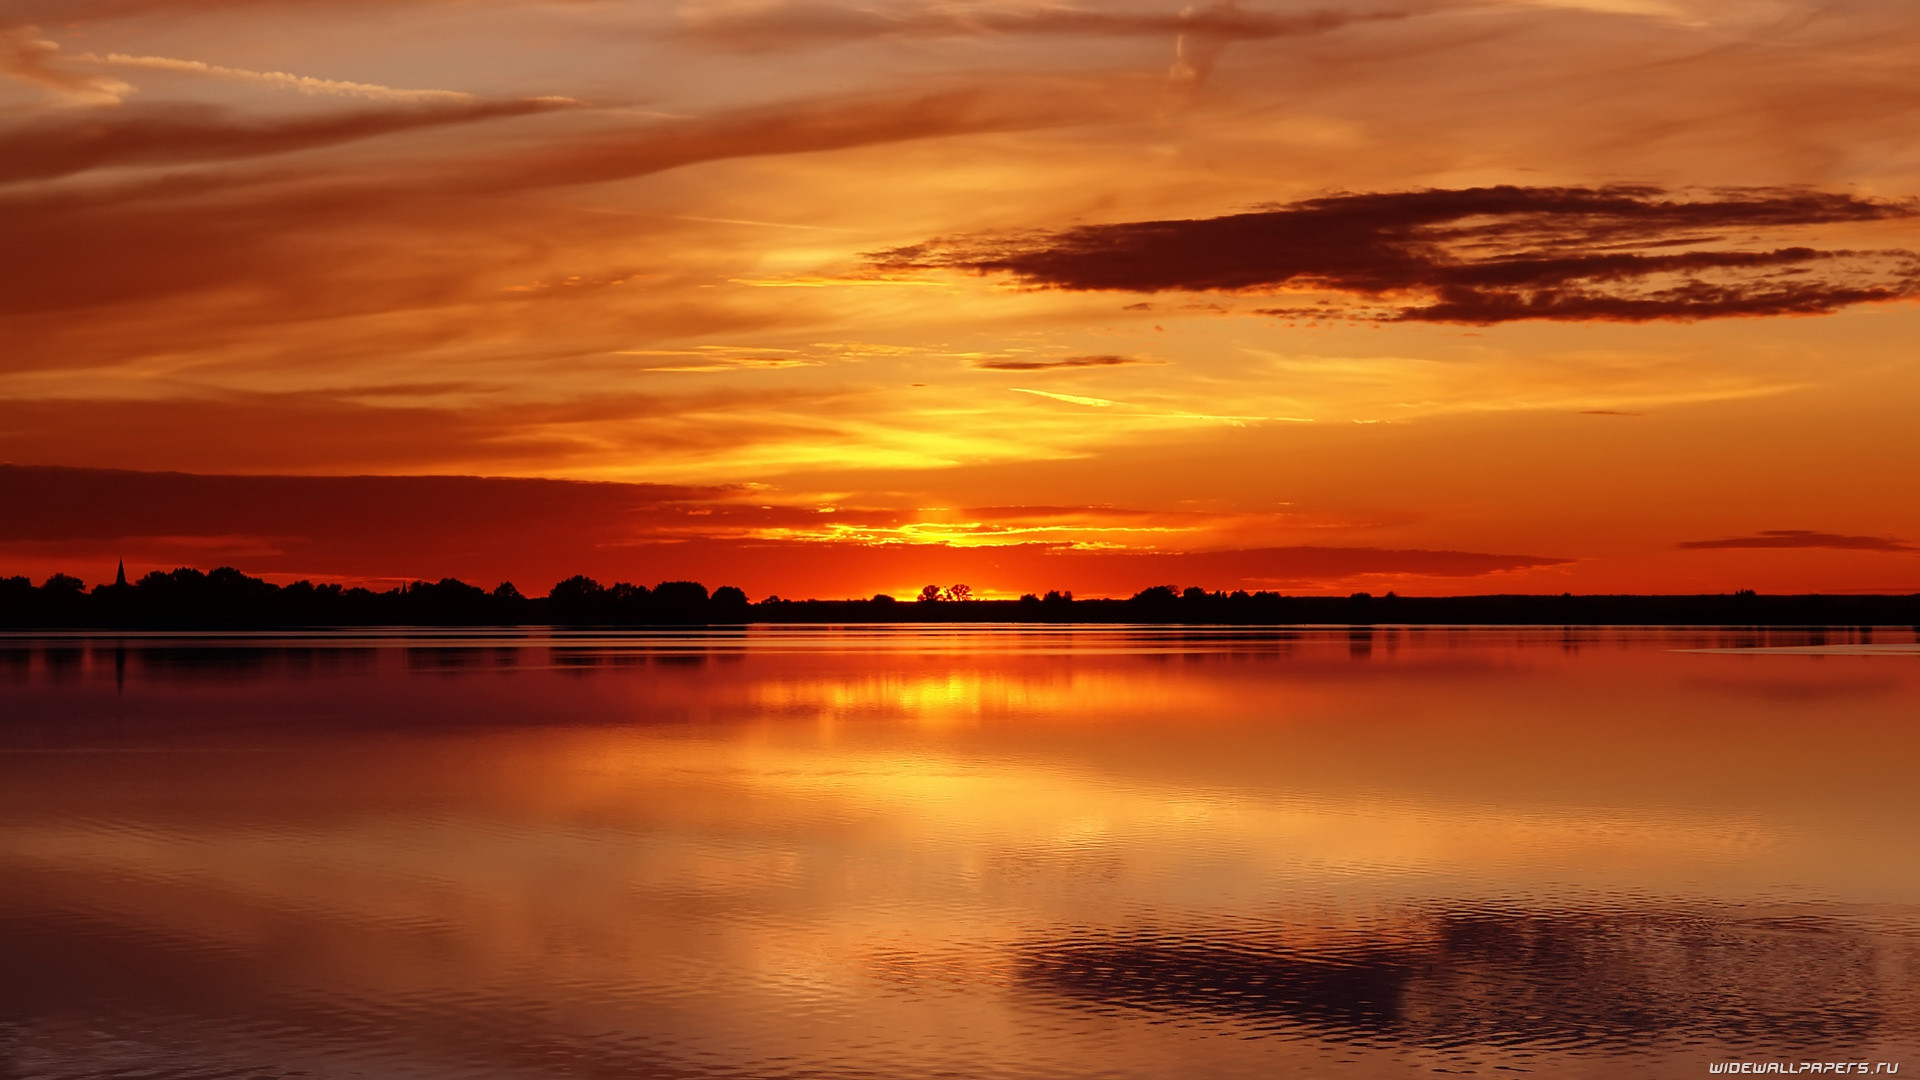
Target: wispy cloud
(794, 25)
(811, 125)
(168, 135)
(1802, 538)
(27, 57)
(78, 11)
(1200, 34)
(1071, 399)
(1140, 412)
(1065, 362)
(305, 84)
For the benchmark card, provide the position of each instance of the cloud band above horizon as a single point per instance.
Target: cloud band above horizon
(1624, 253)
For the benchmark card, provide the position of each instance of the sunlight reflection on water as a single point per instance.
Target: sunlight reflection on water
(892, 851)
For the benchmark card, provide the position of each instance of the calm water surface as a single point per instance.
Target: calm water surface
(917, 852)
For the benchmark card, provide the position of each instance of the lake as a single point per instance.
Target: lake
(959, 851)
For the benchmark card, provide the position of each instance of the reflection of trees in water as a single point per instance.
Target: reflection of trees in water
(1494, 977)
(196, 663)
(455, 659)
(15, 663)
(592, 657)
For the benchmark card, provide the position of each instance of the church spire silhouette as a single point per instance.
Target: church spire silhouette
(120, 578)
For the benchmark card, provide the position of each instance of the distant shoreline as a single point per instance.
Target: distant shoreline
(227, 599)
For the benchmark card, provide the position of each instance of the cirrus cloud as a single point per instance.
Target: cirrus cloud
(305, 84)
(794, 25)
(1801, 538)
(181, 134)
(29, 58)
(1065, 362)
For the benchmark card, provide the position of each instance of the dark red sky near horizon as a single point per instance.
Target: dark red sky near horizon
(380, 531)
(374, 530)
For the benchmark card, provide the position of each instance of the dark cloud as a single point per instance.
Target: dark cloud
(1802, 538)
(322, 431)
(479, 528)
(1063, 362)
(79, 504)
(1292, 566)
(177, 134)
(794, 25)
(1480, 255)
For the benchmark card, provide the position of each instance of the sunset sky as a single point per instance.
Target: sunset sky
(826, 299)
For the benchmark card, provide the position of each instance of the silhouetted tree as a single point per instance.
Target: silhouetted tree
(506, 606)
(228, 598)
(728, 604)
(577, 599)
(447, 602)
(626, 602)
(680, 602)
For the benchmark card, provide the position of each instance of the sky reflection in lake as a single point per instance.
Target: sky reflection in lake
(897, 852)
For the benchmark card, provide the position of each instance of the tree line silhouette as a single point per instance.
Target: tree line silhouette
(227, 598)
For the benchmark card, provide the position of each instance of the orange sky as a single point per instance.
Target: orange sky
(827, 299)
